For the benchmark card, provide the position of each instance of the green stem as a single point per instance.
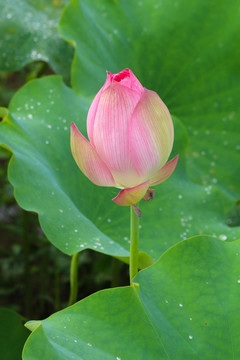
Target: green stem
(134, 238)
(73, 279)
(37, 71)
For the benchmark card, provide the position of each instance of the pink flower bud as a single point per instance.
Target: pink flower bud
(131, 136)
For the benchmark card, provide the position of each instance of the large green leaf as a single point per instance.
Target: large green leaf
(184, 307)
(12, 335)
(187, 51)
(43, 172)
(74, 213)
(29, 33)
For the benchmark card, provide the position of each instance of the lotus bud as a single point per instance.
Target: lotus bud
(130, 133)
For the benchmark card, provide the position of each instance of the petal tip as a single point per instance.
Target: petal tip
(131, 196)
(165, 172)
(73, 126)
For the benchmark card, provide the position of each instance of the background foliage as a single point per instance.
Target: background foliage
(186, 51)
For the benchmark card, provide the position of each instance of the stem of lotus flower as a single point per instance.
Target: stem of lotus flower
(73, 279)
(134, 238)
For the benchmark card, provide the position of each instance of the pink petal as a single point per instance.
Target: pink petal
(150, 133)
(88, 160)
(110, 135)
(132, 196)
(164, 173)
(93, 108)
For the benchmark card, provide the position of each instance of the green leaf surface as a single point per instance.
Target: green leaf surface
(187, 51)
(41, 114)
(32, 325)
(13, 335)
(184, 307)
(233, 216)
(29, 32)
(43, 172)
(74, 213)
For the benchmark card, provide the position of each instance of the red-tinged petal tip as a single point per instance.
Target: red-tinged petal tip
(131, 196)
(127, 79)
(164, 173)
(137, 211)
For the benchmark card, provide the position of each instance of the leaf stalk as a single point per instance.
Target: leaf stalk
(73, 279)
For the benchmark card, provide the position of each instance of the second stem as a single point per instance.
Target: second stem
(73, 279)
